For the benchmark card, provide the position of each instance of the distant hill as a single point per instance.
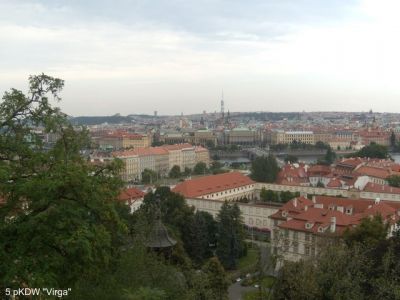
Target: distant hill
(96, 120)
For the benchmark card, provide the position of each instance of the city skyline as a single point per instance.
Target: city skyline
(173, 57)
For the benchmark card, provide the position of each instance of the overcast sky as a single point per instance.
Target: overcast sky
(176, 56)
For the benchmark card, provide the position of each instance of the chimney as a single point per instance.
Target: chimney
(314, 199)
(305, 207)
(295, 202)
(333, 224)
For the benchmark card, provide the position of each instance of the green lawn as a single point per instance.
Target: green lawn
(250, 259)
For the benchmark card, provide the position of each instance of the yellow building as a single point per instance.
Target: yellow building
(123, 140)
(288, 137)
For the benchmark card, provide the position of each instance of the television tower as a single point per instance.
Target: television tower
(222, 105)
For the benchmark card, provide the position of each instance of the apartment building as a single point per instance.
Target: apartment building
(302, 226)
(159, 159)
(202, 155)
(122, 140)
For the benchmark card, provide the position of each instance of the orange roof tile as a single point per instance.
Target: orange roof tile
(211, 184)
(130, 194)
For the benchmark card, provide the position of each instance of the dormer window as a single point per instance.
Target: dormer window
(321, 229)
(284, 213)
(309, 225)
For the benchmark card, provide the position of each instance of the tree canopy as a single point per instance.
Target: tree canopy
(264, 169)
(59, 221)
(373, 150)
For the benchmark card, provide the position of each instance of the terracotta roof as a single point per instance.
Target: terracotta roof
(211, 184)
(319, 169)
(324, 208)
(379, 188)
(374, 172)
(130, 194)
(334, 183)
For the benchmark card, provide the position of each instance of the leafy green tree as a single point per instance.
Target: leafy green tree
(200, 236)
(187, 172)
(230, 241)
(268, 195)
(370, 231)
(175, 172)
(373, 150)
(149, 176)
(200, 168)
(330, 156)
(264, 169)
(59, 222)
(392, 140)
(218, 282)
(394, 180)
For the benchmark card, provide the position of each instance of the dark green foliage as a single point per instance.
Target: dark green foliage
(371, 231)
(175, 172)
(218, 282)
(320, 184)
(394, 180)
(64, 222)
(283, 197)
(196, 230)
(200, 168)
(373, 150)
(230, 240)
(264, 169)
(187, 172)
(149, 176)
(392, 140)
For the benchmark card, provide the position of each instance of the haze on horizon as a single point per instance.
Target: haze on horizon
(132, 57)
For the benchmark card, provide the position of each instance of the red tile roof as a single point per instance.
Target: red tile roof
(130, 194)
(379, 188)
(374, 172)
(324, 208)
(334, 183)
(210, 184)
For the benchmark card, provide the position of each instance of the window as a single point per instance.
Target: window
(286, 233)
(308, 236)
(295, 235)
(307, 250)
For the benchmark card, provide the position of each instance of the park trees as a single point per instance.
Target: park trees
(230, 242)
(264, 169)
(149, 176)
(373, 150)
(175, 172)
(200, 168)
